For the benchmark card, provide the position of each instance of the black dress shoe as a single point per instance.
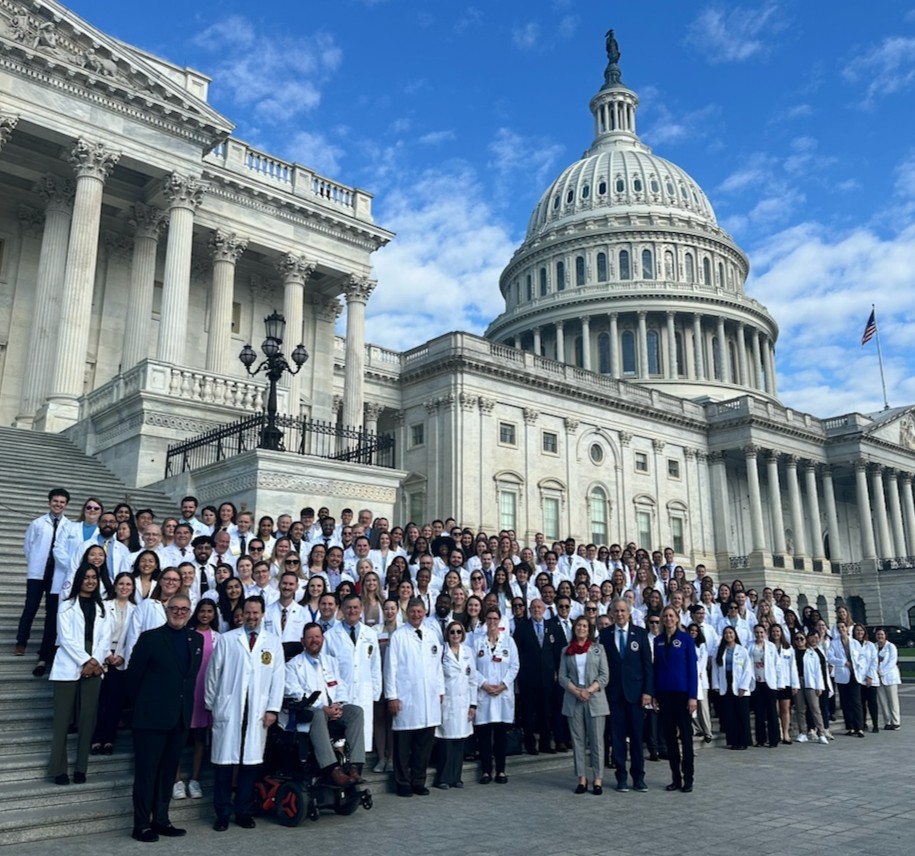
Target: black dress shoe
(62, 779)
(501, 779)
(40, 669)
(147, 836)
(640, 786)
(168, 830)
(485, 779)
(79, 778)
(654, 757)
(673, 786)
(598, 790)
(420, 790)
(581, 789)
(405, 792)
(245, 821)
(687, 788)
(221, 824)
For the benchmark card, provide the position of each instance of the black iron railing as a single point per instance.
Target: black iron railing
(300, 436)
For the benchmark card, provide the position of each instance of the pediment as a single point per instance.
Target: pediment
(898, 428)
(47, 37)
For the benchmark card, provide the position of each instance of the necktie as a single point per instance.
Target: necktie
(204, 585)
(243, 543)
(326, 543)
(621, 640)
(49, 563)
(565, 628)
(283, 619)
(419, 633)
(352, 634)
(539, 627)
(252, 638)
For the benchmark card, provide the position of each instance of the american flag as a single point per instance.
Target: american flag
(870, 328)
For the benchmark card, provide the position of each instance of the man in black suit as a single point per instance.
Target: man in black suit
(629, 691)
(537, 643)
(562, 629)
(161, 679)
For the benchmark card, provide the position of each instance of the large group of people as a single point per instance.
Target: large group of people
(213, 626)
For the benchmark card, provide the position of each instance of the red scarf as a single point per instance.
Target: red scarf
(575, 648)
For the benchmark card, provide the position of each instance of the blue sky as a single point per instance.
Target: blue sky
(795, 117)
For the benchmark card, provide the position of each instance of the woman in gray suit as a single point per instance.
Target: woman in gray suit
(584, 674)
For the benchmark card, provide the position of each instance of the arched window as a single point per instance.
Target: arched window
(669, 270)
(717, 367)
(706, 271)
(530, 287)
(721, 275)
(654, 353)
(544, 285)
(560, 276)
(580, 270)
(625, 268)
(647, 265)
(603, 353)
(627, 340)
(690, 268)
(601, 267)
(681, 362)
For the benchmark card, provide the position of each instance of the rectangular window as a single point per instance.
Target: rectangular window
(598, 518)
(676, 535)
(673, 468)
(417, 506)
(508, 509)
(643, 521)
(551, 518)
(641, 462)
(550, 443)
(417, 435)
(507, 434)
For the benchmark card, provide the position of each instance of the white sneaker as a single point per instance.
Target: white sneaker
(830, 735)
(178, 791)
(801, 738)
(823, 739)
(194, 791)
(379, 767)
(812, 734)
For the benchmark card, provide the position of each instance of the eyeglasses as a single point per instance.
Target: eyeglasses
(455, 633)
(654, 622)
(255, 549)
(179, 609)
(92, 508)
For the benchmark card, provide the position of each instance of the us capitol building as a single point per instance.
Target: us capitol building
(627, 391)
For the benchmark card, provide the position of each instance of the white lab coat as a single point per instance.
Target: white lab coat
(461, 684)
(743, 673)
(814, 679)
(835, 656)
(117, 562)
(296, 619)
(888, 665)
(865, 664)
(496, 665)
(787, 669)
(236, 677)
(304, 675)
(37, 545)
(360, 667)
(413, 675)
(71, 637)
(770, 662)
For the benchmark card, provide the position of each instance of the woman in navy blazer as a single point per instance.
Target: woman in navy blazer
(676, 689)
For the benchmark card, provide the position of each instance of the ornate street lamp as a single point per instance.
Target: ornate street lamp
(273, 366)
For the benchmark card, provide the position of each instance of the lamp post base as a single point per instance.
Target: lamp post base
(272, 439)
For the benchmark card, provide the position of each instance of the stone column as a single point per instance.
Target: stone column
(614, 345)
(671, 347)
(93, 163)
(643, 345)
(324, 312)
(892, 488)
(908, 507)
(538, 346)
(372, 411)
(832, 517)
(184, 196)
(757, 361)
(813, 509)
(722, 351)
(357, 293)
(586, 343)
(757, 530)
(226, 249)
(718, 479)
(884, 542)
(775, 505)
(52, 264)
(742, 354)
(560, 342)
(697, 346)
(148, 224)
(797, 512)
(771, 385)
(294, 270)
(868, 547)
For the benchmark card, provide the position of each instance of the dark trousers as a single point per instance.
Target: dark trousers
(850, 699)
(412, 750)
(676, 722)
(244, 789)
(450, 761)
(627, 719)
(868, 704)
(110, 704)
(654, 740)
(536, 714)
(49, 632)
(492, 740)
(79, 697)
(735, 718)
(34, 591)
(156, 757)
(765, 715)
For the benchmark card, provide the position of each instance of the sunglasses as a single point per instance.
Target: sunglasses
(92, 508)
(292, 562)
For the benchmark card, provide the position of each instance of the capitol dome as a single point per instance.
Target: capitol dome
(625, 271)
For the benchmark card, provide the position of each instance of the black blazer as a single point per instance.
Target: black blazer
(631, 676)
(163, 695)
(538, 664)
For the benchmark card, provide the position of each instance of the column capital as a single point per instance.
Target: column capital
(92, 159)
(226, 246)
(56, 191)
(716, 457)
(372, 410)
(486, 404)
(358, 289)
(147, 220)
(432, 405)
(658, 445)
(118, 247)
(559, 324)
(337, 404)
(326, 308)
(399, 417)
(294, 269)
(625, 438)
(772, 455)
(860, 465)
(468, 401)
(8, 124)
(750, 450)
(876, 470)
(31, 221)
(183, 191)
(811, 467)
(906, 479)
(791, 461)
(531, 415)
(892, 475)
(571, 425)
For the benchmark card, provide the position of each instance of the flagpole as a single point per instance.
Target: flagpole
(886, 403)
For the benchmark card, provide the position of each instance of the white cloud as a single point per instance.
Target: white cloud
(568, 25)
(316, 152)
(887, 68)
(666, 128)
(737, 34)
(275, 77)
(516, 161)
(433, 138)
(470, 19)
(525, 37)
